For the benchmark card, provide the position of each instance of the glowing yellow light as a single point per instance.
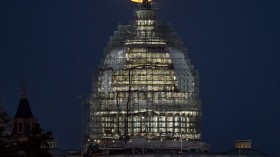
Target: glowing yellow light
(140, 1)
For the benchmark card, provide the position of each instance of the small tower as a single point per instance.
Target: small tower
(24, 120)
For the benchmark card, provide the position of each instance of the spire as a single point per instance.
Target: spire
(23, 91)
(24, 110)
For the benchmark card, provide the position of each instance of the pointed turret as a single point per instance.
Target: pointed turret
(24, 121)
(24, 110)
(23, 90)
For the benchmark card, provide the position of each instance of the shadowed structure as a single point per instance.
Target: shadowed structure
(24, 121)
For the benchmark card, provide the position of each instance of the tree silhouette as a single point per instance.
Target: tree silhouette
(37, 144)
(5, 140)
(4, 120)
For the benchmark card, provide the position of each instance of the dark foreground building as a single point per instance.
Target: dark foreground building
(25, 137)
(24, 121)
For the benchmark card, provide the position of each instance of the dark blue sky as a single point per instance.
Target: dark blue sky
(235, 44)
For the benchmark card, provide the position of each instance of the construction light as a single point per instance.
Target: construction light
(140, 1)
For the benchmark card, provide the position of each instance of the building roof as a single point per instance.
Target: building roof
(24, 110)
(246, 152)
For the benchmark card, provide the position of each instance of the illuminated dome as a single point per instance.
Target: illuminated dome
(145, 88)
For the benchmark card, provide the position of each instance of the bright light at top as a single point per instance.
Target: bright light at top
(140, 1)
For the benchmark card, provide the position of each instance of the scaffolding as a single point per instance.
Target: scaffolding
(85, 121)
(145, 86)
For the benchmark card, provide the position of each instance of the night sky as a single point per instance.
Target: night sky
(56, 45)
